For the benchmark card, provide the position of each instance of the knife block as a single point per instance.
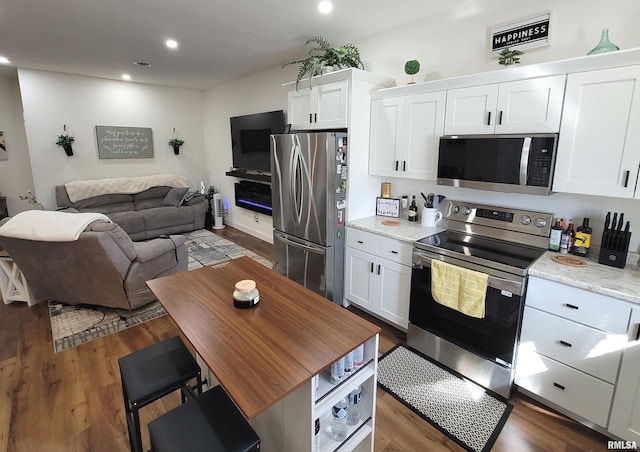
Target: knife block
(616, 257)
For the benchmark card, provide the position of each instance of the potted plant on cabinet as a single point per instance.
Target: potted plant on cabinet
(65, 141)
(412, 67)
(175, 143)
(324, 56)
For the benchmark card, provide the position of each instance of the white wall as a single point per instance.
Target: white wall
(449, 45)
(15, 172)
(53, 100)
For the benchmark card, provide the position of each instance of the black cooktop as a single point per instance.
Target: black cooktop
(480, 248)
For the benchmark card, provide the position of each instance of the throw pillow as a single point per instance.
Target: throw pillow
(175, 197)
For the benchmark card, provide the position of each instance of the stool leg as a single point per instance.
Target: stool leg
(199, 378)
(136, 428)
(129, 418)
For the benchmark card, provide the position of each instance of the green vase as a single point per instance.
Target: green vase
(604, 45)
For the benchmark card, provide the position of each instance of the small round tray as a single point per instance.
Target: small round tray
(570, 261)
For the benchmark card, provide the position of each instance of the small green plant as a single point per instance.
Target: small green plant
(65, 139)
(508, 57)
(412, 67)
(324, 55)
(173, 142)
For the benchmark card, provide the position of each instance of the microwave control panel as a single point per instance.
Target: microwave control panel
(539, 168)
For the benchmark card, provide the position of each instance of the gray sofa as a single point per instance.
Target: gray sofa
(143, 215)
(103, 267)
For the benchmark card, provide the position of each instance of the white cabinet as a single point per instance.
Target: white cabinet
(625, 414)
(523, 106)
(405, 133)
(570, 345)
(378, 275)
(322, 106)
(599, 144)
(360, 436)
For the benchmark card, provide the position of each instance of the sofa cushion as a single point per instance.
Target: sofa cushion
(131, 221)
(150, 198)
(163, 217)
(105, 204)
(175, 197)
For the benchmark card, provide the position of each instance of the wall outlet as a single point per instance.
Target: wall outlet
(255, 218)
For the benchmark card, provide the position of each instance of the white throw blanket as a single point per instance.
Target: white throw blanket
(49, 226)
(84, 189)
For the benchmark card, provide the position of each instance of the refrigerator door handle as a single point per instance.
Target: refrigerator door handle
(304, 246)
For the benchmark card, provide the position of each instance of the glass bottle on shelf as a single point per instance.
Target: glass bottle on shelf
(604, 45)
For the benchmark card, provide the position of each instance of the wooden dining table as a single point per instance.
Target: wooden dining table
(263, 354)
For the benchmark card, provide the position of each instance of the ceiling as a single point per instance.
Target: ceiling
(218, 40)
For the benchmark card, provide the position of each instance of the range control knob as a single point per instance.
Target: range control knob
(466, 210)
(455, 209)
(526, 219)
(540, 222)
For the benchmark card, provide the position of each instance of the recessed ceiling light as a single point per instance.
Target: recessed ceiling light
(141, 64)
(4, 60)
(325, 7)
(126, 77)
(171, 43)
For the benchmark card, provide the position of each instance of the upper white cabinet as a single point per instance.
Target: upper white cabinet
(322, 106)
(599, 145)
(523, 106)
(405, 133)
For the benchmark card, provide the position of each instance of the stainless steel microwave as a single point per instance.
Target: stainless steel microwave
(505, 163)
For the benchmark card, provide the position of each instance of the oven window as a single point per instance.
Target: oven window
(492, 337)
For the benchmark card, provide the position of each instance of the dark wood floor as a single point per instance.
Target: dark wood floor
(72, 401)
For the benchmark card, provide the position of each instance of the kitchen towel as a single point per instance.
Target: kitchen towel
(459, 288)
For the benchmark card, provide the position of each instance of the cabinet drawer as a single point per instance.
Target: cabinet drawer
(571, 389)
(589, 350)
(395, 250)
(362, 240)
(592, 309)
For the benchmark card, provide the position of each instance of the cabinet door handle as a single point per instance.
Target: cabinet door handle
(488, 118)
(315, 117)
(638, 333)
(394, 252)
(626, 178)
(404, 165)
(310, 117)
(378, 268)
(559, 386)
(565, 343)
(500, 117)
(371, 267)
(571, 306)
(396, 165)
(360, 242)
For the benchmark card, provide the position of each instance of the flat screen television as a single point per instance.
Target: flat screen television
(250, 143)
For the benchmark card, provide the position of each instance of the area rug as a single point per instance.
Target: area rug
(459, 408)
(75, 325)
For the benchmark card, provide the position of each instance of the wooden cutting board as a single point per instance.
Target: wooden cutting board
(570, 261)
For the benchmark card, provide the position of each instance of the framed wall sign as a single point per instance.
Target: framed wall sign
(521, 34)
(388, 207)
(116, 142)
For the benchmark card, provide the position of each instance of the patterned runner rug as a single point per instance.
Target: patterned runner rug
(459, 408)
(75, 325)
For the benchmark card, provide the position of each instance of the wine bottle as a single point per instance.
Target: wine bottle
(566, 241)
(555, 237)
(583, 239)
(413, 210)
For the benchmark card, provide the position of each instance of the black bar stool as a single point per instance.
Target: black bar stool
(210, 422)
(150, 374)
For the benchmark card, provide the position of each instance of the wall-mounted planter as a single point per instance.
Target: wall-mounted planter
(68, 149)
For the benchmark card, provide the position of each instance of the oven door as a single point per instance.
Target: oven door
(494, 337)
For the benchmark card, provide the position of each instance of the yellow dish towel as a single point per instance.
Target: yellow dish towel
(459, 288)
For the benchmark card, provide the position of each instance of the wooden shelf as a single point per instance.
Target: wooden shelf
(251, 176)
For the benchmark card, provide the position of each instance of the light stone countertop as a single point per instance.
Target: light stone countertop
(407, 231)
(623, 284)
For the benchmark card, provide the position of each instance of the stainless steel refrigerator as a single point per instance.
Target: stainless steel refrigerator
(309, 189)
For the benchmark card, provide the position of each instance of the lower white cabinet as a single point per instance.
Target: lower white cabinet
(625, 413)
(378, 275)
(571, 344)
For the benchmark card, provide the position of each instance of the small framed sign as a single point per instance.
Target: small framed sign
(521, 34)
(388, 207)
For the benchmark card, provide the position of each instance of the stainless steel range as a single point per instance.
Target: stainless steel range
(501, 242)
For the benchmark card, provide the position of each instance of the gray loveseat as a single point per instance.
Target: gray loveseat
(150, 213)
